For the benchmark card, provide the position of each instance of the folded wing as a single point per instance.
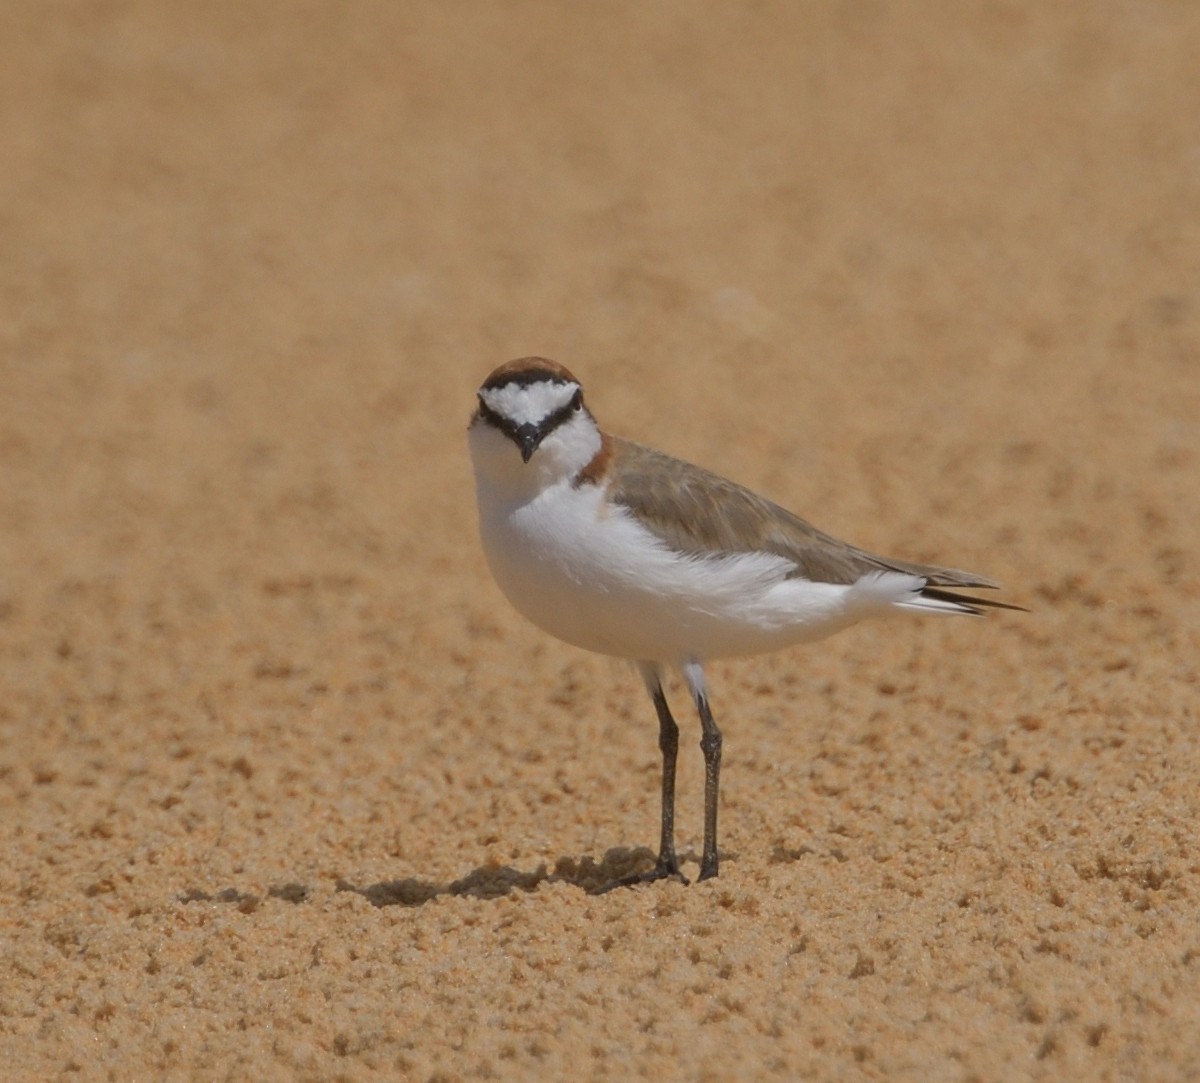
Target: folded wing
(702, 514)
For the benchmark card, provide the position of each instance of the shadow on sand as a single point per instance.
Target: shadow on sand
(494, 882)
(485, 882)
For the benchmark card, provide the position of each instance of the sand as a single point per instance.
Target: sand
(288, 792)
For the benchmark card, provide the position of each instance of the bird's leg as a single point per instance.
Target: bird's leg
(710, 745)
(668, 742)
(667, 864)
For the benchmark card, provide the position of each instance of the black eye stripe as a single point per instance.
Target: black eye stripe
(563, 413)
(546, 426)
(499, 421)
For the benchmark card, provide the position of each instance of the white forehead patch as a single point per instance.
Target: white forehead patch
(529, 404)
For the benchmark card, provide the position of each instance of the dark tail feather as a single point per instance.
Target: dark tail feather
(968, 601)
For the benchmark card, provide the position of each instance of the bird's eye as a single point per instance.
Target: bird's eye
(577, 401)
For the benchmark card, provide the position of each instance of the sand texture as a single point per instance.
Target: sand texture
(288, 792)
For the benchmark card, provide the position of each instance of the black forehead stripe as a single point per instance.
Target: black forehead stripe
(523, 378)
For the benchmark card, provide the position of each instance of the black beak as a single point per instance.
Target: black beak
(528, 438)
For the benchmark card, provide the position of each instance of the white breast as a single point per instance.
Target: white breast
(588, 573)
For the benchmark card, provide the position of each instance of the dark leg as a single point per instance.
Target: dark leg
(667, 864)
(710, 745)
(668, 742)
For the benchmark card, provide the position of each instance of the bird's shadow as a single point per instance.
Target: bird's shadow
(485, 882)
(494, 882)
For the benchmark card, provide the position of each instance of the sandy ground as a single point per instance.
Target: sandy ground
(288, 792)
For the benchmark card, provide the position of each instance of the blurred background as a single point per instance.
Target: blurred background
(257, 261)
(926, 273)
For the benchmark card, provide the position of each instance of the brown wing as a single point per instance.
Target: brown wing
(698, 512)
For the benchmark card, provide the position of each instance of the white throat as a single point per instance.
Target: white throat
(559, 458)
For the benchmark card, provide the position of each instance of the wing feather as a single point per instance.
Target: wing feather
(702, 514)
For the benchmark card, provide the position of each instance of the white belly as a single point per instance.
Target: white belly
(592, 576)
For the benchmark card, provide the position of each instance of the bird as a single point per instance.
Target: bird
(616, 548)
